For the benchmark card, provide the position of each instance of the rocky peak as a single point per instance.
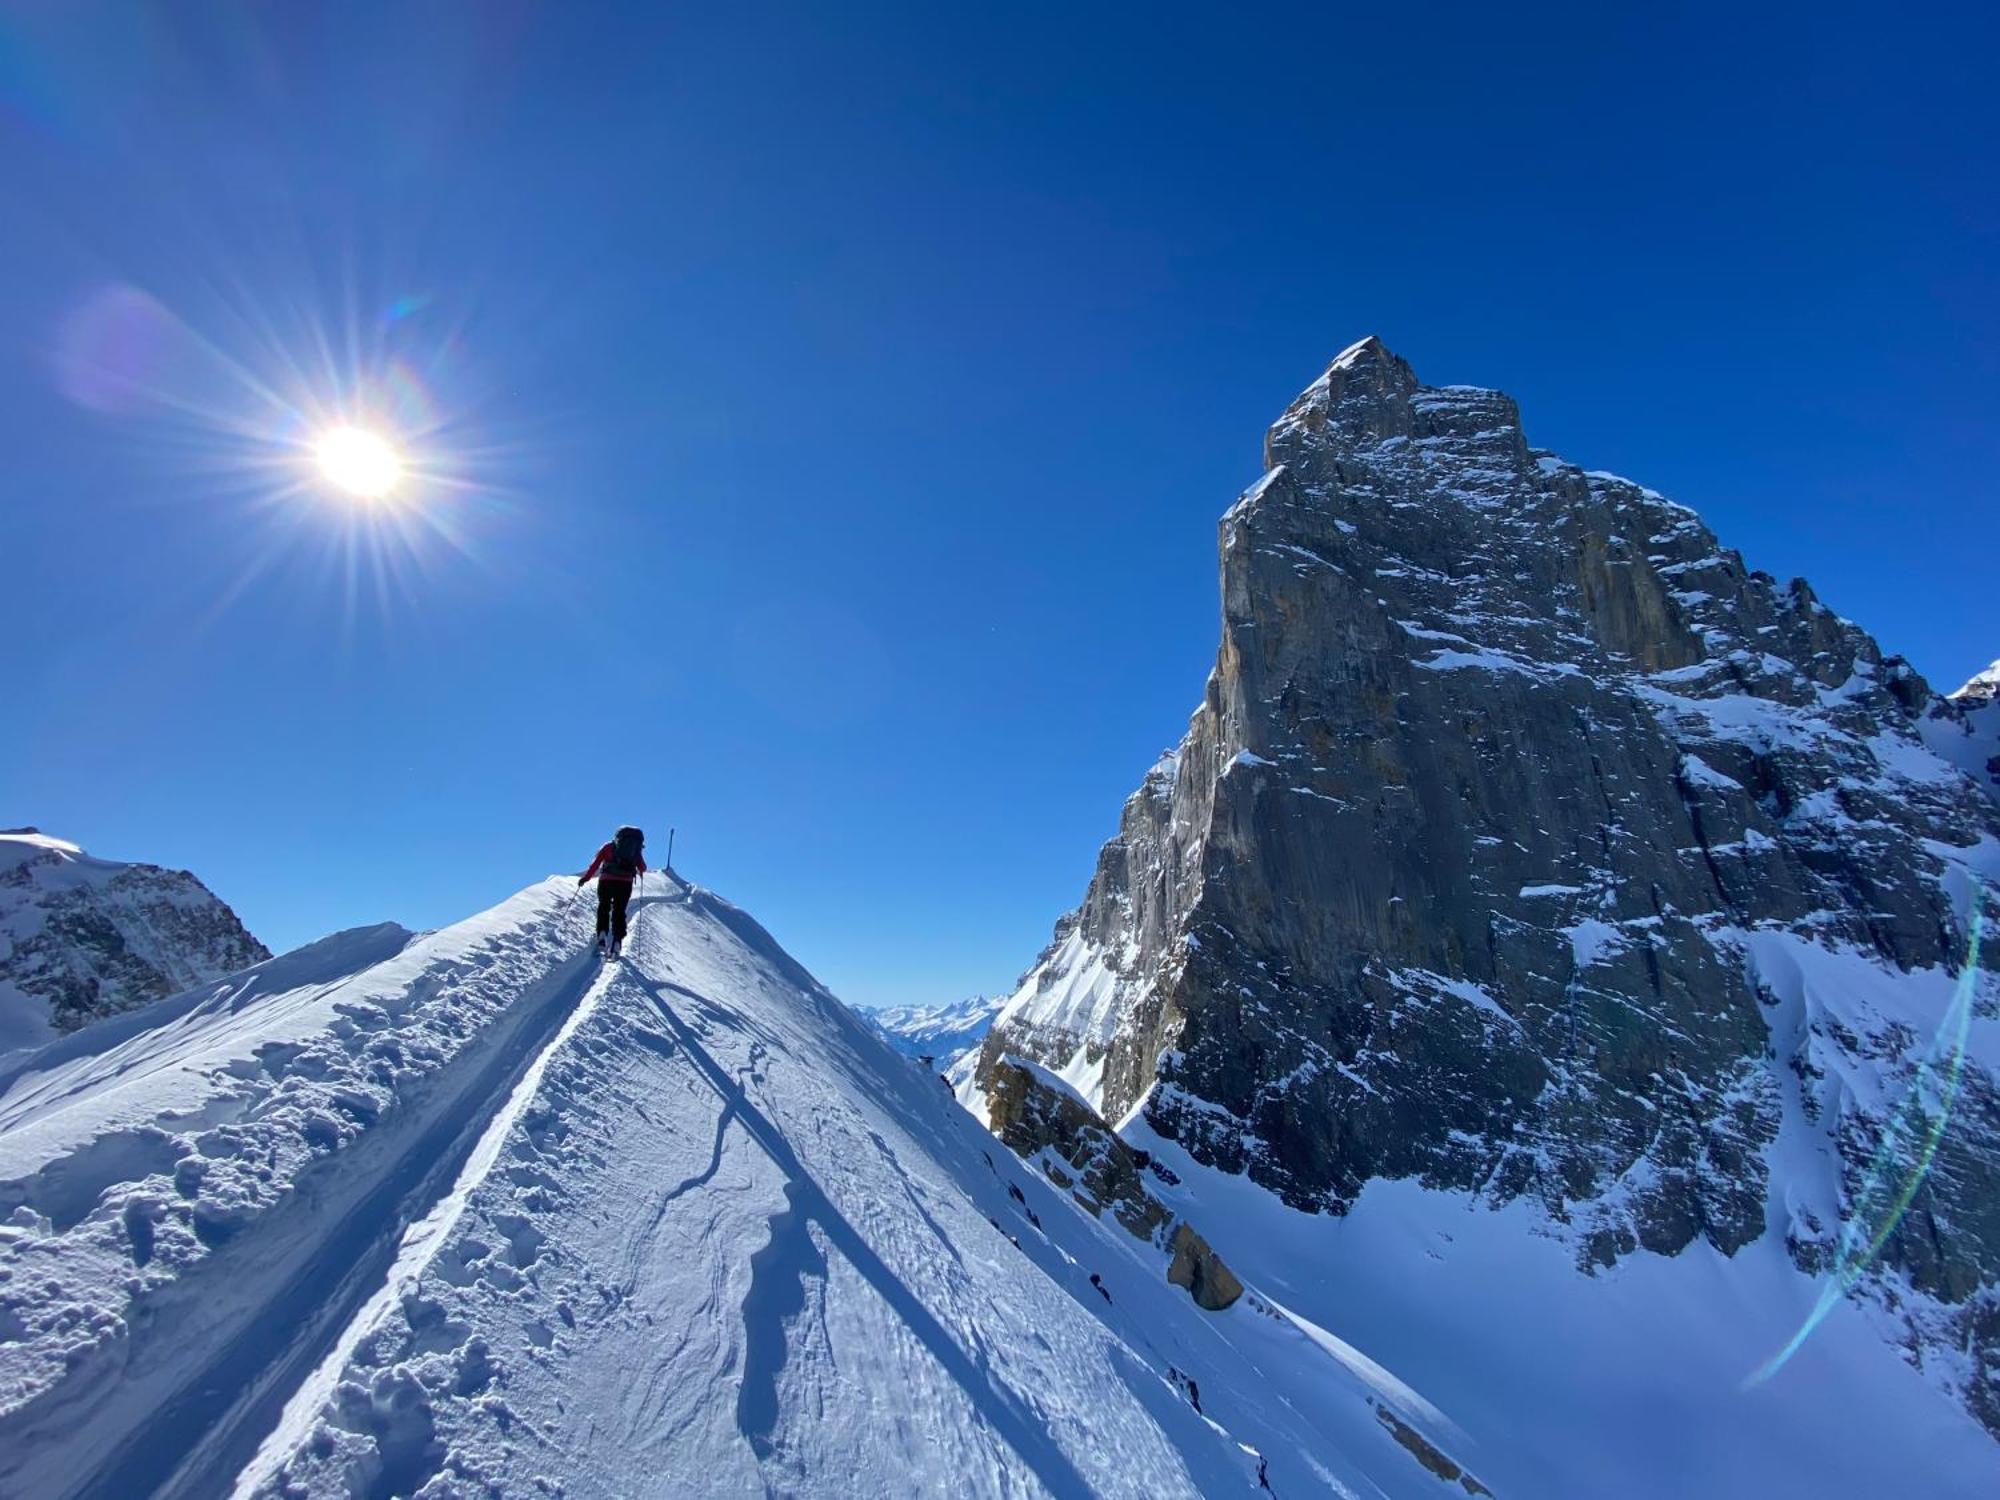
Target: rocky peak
(1527, 843)
(83, 938)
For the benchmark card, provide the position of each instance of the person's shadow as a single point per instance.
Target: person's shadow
(791, 1250)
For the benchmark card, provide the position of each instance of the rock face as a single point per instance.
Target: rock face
(1527, 844)
(1198, 1268)
(84, 938)
(1042, 1121)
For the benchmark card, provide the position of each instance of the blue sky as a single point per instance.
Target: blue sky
(828, 408)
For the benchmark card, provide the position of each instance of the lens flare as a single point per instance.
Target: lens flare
(358, 461)
(1910, 1140)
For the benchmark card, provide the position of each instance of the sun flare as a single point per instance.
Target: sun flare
(358, 461)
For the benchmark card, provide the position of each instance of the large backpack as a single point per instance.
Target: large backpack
(627, 844)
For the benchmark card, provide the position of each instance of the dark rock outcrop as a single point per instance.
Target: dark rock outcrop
(1526, 843)
(1198, 1268)
(1043, 1122)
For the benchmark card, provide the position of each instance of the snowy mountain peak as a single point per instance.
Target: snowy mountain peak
(1371, 401)
(1362, 351)
(941, 1033)
(1980, 688)
(82, 938)
(18, 844)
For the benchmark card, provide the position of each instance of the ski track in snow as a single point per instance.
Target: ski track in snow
(416, 1245)
(194, 1442)
(777, 1293)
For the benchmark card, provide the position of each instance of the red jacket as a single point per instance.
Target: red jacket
(604, 854)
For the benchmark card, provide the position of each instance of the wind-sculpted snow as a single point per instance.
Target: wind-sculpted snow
(194, 1192)
(1506, 779)
(472, 1213)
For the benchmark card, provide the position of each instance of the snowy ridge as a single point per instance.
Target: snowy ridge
(682, 1224)
(198, 1192)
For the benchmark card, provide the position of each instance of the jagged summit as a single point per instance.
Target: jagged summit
(1529, 847)
(1369, 396)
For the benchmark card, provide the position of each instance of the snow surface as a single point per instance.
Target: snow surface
(1628, 1383)
(1966, 733)
(484, 1216)
(1074, 991)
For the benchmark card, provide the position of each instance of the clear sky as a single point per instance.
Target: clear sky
(825, 410)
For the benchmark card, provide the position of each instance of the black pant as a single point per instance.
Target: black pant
(611, 898)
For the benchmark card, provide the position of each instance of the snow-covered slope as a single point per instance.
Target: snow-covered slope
(471, 1214)
(83, 938)
(1964, 728)
(942, 1033)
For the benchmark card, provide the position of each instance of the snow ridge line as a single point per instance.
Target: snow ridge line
(195, 1441)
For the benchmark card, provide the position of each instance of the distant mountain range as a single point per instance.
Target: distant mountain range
(942, 1033)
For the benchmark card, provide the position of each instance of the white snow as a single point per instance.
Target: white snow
(1627, 1383)
(1486, 659)
(1698, 772)
(1592, 941)
(1983, 683)
(18, 845)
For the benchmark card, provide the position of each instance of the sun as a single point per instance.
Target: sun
(358, 461)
